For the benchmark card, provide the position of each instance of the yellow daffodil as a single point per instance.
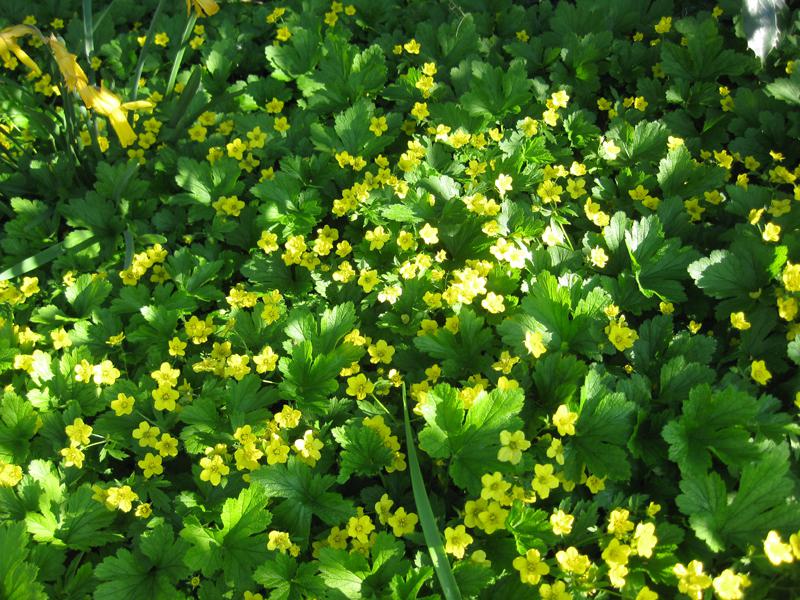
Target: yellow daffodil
(202, 7)
(108, 104)
(8, 45)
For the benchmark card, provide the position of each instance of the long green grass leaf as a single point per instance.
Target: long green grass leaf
(45, 256)
(429, 528)
(145, 47)
(176, 64)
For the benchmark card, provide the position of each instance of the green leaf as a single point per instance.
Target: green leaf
(151, 570)
(735, 273)
(289, 579)
(495, 92)
(87, 294)
(602, 431)
(18, 577)
(17, 426)
(235, 548)
(786, 89)
(343, 572)
(469, 438)
(568, 316)
(296, 57)
(363, 451)
(679, 175)
(531, 528)
(678, 377)
(659, 264)
(460, 352)
(288, 202)
(645, 142)
(344, 75)
(763, 501)
(79, 524)
(305, 494)
(713, 423)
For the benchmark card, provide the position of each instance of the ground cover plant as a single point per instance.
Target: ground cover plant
(472, 299)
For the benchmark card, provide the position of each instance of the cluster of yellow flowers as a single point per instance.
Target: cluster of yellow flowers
(10, 294)
(152, 258)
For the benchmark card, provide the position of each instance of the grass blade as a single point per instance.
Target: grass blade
(429, 528)
(45, 256)
(145, 47)
(176, 64)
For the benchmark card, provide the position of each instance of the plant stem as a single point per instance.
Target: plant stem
(143, 53)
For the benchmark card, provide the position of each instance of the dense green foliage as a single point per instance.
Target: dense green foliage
(398, 300)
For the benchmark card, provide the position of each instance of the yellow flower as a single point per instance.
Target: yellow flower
(403, 523)
(105, 373)
(559, 99)
(564, 419)
(121, 498)
(663, 25)
(177, 347)
(534, 343)
(359, 386)
(531, 567)
(728, 585)
(791, 277)
(202, 7)
(572, 561)
(644, 539)
(771, 233)
(73, 457)
(288, 417)
(691, 579)
(544, 480)
(213, 469)
(412, 46)
(380, 352)
(10, 474)
(420, 111)
(739, 321)
(60, 339)
(561, 522)
(619, 522)
(503, 184)
(283, 34)
(512, 446)
(378, 126)
(279, 540)
(759, 372)
(777, 550)
(108, 104)
(161, 39)
(146, 434)
(429, 234)
(74, 76)
(359, 528)
(277, 451)
(599, 257)
(493, 303)
(456, 540)
(151, 465)
(281, 125)
(8, 45)
(610, 149)
(123, 405)
(308, 448)
(620, 335)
